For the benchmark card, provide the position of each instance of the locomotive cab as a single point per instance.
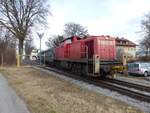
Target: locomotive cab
(101, 54)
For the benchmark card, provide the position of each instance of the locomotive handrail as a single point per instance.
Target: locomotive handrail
(86, 49)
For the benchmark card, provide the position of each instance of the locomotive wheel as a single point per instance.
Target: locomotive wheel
(103, 73)
(83, 70)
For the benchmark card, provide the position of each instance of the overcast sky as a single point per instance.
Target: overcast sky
(101, 17)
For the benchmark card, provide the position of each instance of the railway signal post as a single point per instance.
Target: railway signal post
(40, 35)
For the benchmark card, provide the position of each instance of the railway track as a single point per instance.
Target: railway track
(129, 84)
(110, 85)
(128, 92)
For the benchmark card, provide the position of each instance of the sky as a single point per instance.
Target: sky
(117, 18)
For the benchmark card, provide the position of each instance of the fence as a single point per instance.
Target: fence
(2, 61)
(8, 57)
(22, 60)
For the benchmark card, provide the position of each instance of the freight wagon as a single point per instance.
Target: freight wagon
(92, 55)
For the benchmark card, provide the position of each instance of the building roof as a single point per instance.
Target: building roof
(124, 42)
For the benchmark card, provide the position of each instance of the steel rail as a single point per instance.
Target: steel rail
(129, 84)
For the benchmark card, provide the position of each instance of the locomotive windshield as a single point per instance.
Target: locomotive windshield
(68, 41)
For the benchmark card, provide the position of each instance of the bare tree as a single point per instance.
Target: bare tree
(73, 29)
(6, 39)
(54, 41)
(29, 46)
(145, 44)
(7, 47)
(18, 16)
(145, 23)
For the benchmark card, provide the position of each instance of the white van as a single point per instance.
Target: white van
(139, 68)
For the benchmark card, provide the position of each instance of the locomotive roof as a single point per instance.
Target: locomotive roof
(88, 36)
(71, 38)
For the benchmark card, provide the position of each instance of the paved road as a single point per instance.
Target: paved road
(9, 101)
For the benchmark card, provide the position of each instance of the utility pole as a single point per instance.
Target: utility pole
(40, 35)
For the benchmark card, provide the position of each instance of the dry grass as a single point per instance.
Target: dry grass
(47, 94)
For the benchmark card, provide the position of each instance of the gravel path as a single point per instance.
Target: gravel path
(9, 101)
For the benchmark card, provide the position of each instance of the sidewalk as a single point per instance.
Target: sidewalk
(9, 101)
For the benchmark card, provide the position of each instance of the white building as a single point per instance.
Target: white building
(125, 49)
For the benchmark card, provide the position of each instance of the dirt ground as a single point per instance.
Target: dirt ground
(44, 93)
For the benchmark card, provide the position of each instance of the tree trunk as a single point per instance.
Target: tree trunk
(147, 52)
(20, 47)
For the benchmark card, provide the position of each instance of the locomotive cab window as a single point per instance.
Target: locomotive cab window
(68, 41)
(106, 42)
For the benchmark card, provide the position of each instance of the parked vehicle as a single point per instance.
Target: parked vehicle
(140, 68)
(34, 54)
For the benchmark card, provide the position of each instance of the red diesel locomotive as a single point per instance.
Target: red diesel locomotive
(93, 55)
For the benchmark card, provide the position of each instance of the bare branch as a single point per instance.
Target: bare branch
(54, 41)
(145, 43)
(18, 16)
(73, 29)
